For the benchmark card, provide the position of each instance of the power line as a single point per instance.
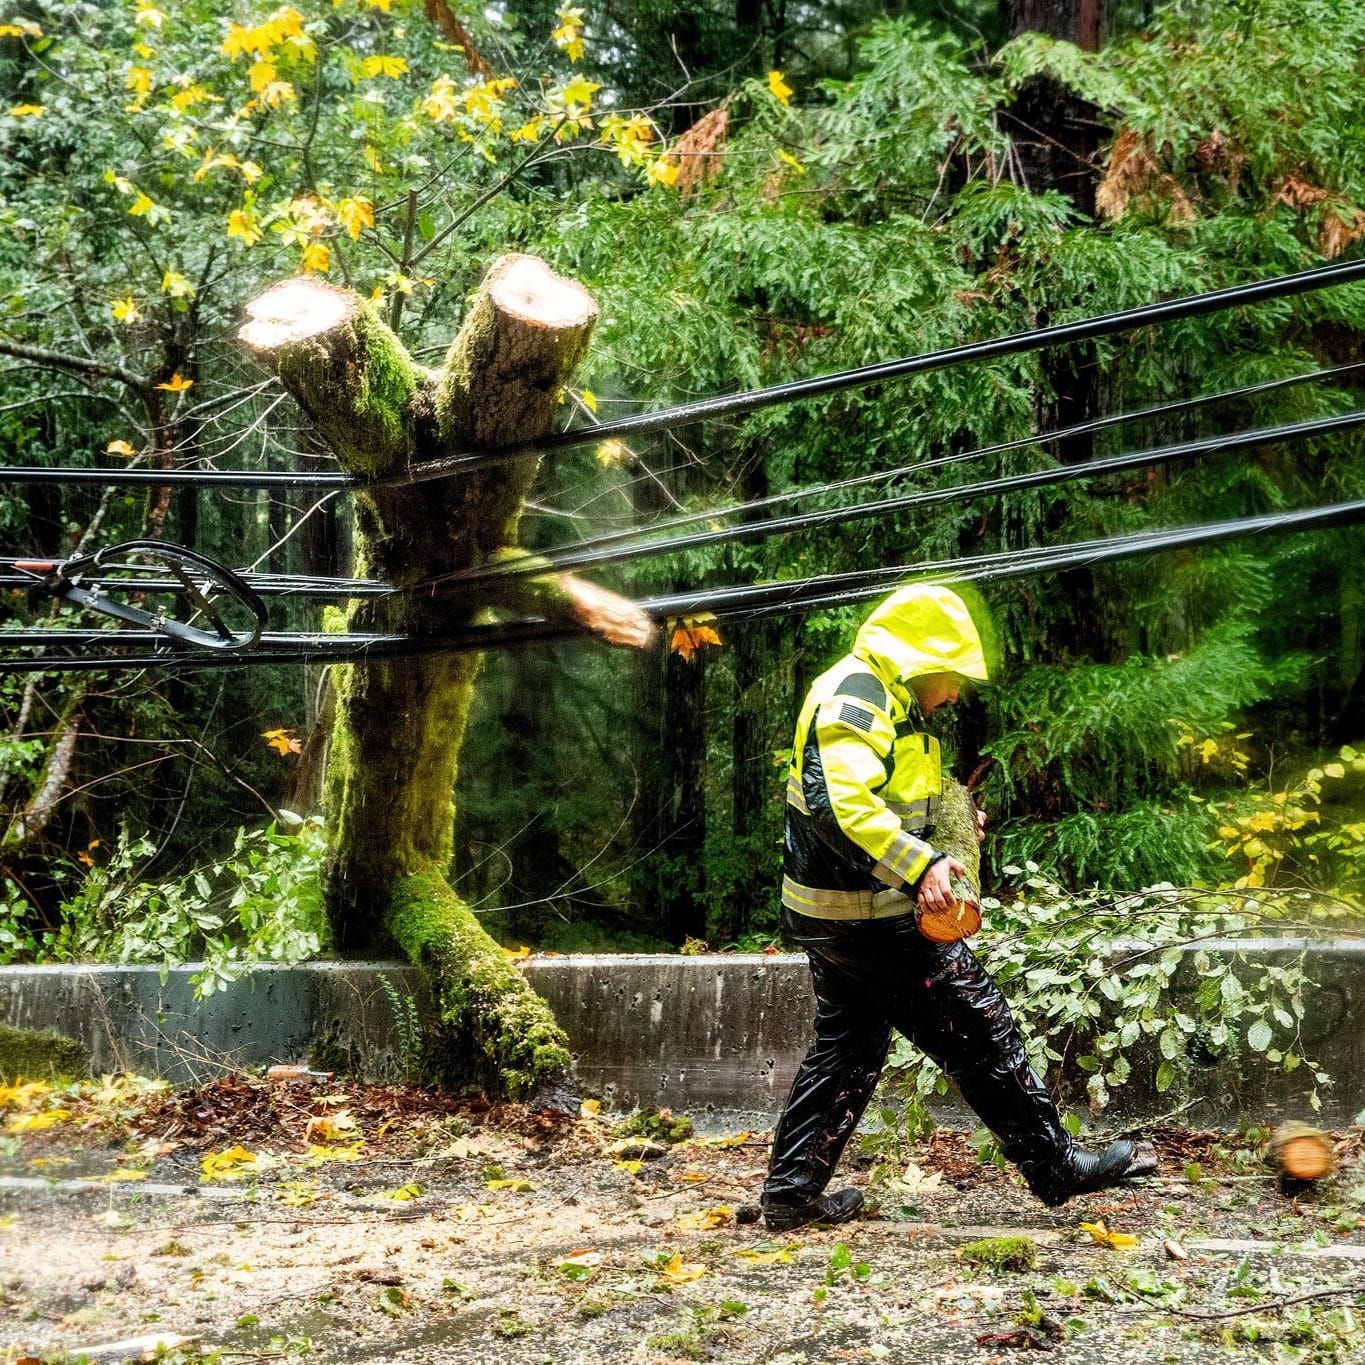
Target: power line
(1097, 424)
(1065, 333)
(729, 603)
(881, 507)
(734, 405)
(342, 589)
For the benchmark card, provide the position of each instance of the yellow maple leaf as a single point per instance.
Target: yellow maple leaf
(610, 453)
(355, 215)
(149, 16)
(590, 1109)
(277, 92)
(22, 1093)
(380, 65)
(580, 92)
(176, 285)
(125, 310)
(296, 1193)
(282, 741)
(244, 225)
(1117, 1241)
(528, 132)
(778, 88)
(768, 1253)
(138, 79)
(630, 1167)
(191, 95)
(120, 448)
(523, 951)
(229, 1165)
(662, 171)
(719, 1217)
(568, 37)
(20, 28)
(176, 383)
(691, 634)
(28, 111)
(321, 1156)
(33, 1123)
(142, 206)
(331, 1127)
(317, 257)
(412, 1190)
(589, 400)
(261, 73)
(678, 1271)
(790, 160)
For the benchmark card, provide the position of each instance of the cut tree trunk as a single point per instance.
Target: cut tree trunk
(1302, 1152)
(399, 723)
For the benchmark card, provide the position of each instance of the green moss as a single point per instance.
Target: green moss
(956, 830)
(1001, 1253)
(496, 1032)
(356, 381)
(40, 1054)
(386, 383)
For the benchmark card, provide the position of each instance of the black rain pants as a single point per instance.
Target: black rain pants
(872, 976)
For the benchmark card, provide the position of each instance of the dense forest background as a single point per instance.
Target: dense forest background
(753, 192)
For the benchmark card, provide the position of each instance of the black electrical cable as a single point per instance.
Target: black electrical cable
(670, 524)
(742, 602)
(803, 521)
(298, 586)
(734, 405)
(1065, 333)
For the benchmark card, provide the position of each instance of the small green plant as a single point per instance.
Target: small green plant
(261, 902)
(407, 1025)
(1091, 975)
(662, 1125)
(1001, 1254)
(511, 1324)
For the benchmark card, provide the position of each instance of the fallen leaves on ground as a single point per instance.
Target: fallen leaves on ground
(1116, 1241)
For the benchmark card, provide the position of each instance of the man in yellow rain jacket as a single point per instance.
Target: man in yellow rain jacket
(862, 803)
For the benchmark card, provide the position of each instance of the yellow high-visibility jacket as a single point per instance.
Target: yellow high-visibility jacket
(865, 782)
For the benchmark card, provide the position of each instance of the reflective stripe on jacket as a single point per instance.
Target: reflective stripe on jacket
(862, 798)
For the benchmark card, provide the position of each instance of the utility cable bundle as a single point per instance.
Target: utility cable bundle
(215, 617)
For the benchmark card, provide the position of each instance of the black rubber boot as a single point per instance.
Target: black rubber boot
(840, 1207)
(1082, 1172)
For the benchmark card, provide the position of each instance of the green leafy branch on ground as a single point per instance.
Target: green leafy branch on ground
(1141, 987)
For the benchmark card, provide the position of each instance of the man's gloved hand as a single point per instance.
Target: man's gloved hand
(934, 891)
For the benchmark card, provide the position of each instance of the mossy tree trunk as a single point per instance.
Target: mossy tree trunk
(399, 723)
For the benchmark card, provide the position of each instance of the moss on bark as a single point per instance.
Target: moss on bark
(399, 725)
(40, 1054)
(956, 832)
(505, 1036)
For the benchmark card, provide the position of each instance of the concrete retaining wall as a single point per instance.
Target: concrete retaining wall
(719, 1035)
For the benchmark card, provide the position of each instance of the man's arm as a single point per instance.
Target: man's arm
(844, 762)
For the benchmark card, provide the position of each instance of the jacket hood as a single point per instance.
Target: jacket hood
(921, 629)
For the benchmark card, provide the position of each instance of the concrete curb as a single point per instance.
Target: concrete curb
(714, 1034)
